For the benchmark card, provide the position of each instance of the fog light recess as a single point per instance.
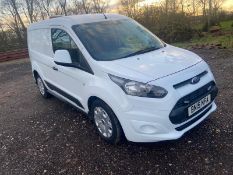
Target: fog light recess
(148, 129)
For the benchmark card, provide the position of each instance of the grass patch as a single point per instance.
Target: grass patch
(225, 40)
(226, 25)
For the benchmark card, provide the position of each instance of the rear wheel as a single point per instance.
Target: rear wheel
(43, 90)
(106, 122)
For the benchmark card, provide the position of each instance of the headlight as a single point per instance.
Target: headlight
(135, 88)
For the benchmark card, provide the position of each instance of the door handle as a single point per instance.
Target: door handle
(54, 68)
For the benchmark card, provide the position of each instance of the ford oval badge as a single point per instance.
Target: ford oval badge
(195, 80)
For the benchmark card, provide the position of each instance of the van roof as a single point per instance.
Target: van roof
(69, 21)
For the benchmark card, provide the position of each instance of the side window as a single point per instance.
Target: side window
(61, 40)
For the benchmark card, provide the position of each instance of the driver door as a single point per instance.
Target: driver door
(69, 82)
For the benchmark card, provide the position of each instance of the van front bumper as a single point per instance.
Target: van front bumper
(140, 126)
(152, 120)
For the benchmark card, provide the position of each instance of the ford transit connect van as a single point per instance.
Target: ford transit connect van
(125, 78)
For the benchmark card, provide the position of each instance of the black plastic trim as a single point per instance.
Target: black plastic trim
(68, 96)
(182, 127)
(179, 113)
(88, 69)
(183, 83)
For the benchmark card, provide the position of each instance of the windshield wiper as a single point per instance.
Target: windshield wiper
(149, 49)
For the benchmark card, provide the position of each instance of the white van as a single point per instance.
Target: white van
(126, 79)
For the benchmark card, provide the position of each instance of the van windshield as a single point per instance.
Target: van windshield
(116, 39)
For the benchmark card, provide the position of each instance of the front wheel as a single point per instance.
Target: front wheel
(106, 122)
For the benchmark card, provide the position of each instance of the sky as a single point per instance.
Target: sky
(228, 4)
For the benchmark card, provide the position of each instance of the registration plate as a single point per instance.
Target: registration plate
(199, 105)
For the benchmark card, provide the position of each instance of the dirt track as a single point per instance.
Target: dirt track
(40, 136)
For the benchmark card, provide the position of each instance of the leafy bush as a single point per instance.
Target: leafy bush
(205, 27)
(171, 27)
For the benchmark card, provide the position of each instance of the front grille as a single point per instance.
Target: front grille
(180, 128)
(201, 92)
(188, 81)
(179, 113)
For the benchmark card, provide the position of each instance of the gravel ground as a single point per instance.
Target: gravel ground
(39, 136)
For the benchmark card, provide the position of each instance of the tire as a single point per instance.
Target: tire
(42, 88)
(110, 132)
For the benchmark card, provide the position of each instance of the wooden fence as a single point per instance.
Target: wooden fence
(13, 55)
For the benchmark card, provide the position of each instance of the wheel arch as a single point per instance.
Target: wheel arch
(35, 75)
(36, 71)
(91, 101)
(93, 98)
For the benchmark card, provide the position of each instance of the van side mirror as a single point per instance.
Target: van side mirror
(62, 57)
